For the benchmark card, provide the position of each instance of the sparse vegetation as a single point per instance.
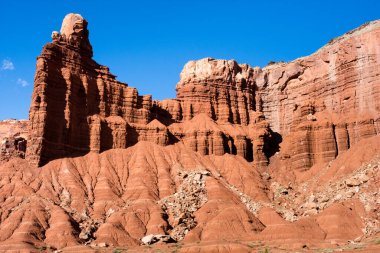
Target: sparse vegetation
(281, 191)
(327, 250)
(253, 244)
(177, 247)
(332, 40)
(266, 250)
(274, 62)
(119, 250)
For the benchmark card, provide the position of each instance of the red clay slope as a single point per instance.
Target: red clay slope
(286, 157)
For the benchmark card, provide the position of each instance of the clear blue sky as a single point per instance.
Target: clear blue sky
(146, 43)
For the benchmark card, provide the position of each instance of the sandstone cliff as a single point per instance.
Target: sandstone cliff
(13, 139)
(242, 158)
(78, 106)
(224, 90)
(325, 103)
(328, 101)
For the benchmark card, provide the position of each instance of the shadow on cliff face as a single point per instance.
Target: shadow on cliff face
(106, 137)
(132, 136)
(249, 152)
(54, 96)
(272, 144)
(172, 139)
(161, 115)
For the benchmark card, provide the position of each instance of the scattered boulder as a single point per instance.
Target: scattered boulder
(151, 239)
(352, 182)
(181, 206)
(102, 245)
(311, 117)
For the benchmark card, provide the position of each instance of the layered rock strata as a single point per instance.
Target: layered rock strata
(13, 139)
(320, 105)
(224, 90)
(117, 198)
(120, 197)
(78, 106)
(340, 79)
(327, 101)
(320, 188)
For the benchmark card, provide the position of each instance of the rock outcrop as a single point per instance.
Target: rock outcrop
(78, 106)
(224, 90)
(327, 101)
(117, 169)
(13, 139)
(324, 103)
(339, 79)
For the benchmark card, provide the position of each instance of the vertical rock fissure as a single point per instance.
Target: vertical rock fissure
(335, 140)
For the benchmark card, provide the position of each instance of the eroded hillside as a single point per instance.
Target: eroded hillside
(244, 158)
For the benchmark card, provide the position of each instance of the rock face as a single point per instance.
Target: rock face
(327, 101)
(118, 169)
(78, 106)
(224, 90)
(13, 139)
(339, 79)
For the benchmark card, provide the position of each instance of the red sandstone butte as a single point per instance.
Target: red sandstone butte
(244, 159)
(78, 106)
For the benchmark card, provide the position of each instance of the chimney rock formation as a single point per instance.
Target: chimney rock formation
(325, 103)
(287, 156)
(78, 106)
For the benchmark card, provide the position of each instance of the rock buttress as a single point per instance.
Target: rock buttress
(78, 106)
(328, 101)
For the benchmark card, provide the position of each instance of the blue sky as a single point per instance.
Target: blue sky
(146, 43)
